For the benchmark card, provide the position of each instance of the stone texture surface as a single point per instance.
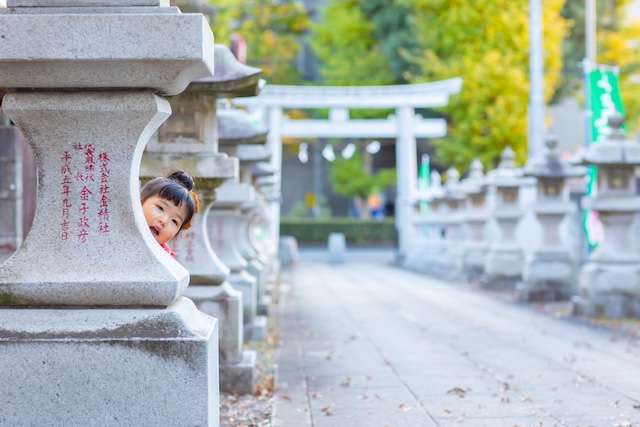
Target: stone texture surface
(231, 78)
(105, 51)
(163, 367)
(108, 133)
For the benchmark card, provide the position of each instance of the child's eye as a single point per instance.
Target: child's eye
(175, 222)
(160, 207)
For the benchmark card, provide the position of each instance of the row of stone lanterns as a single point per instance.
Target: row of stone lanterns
(97, 313)
(491, 253)
(218, 146)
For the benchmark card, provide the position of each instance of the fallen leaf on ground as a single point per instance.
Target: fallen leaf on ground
(287, 398)
(458, 391)
(404, 408)
(346, 382)
(327, 410)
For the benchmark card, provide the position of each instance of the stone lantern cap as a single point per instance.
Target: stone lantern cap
(235, 127)
(252, 153)
(615, 149)
(452, 186)
(105, 45)
(551, 166)
(507, 174)
(234, 195)
(474, 183)
(262, 169)
(231, 78)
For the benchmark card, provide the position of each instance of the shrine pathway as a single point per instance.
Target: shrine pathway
(368, 344)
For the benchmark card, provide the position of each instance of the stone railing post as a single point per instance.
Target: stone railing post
(475, 219)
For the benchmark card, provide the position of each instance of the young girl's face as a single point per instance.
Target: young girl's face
(163, 217)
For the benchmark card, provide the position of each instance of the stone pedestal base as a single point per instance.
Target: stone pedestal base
(247, 285)
(224, 303)
(548, 276)
(82, 367)
(263, 306)
(257, 270)
(611, 290)
(503, 268)
(237, 367)
(256, 330)
(240, 377)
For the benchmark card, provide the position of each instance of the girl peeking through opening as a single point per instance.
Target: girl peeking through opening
(169, 204)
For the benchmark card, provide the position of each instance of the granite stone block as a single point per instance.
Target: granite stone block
(105, 51)
(89, 219)
(128, 367)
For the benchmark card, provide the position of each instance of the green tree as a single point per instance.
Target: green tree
(348, 52)
(271, 28)
(350, 178)
(393, 32)
(485, 43)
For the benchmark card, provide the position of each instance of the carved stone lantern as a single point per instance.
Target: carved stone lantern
(610, 284)
(550, 272)
(475, 219)
(503, 267)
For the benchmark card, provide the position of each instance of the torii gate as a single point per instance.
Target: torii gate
(405, 126)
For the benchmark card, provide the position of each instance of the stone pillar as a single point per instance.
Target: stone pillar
(475, 220)
(503, 267)
(189, 140)
(609, 284)
(407, 167)
(549, 271)
(92, 305)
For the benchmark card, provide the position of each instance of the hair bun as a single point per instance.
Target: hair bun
(181, 176)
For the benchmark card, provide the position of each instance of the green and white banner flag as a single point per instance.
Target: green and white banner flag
(605, 101)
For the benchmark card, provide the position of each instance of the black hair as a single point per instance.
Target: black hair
(175, 187)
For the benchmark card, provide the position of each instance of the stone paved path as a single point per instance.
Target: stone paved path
(368, 344)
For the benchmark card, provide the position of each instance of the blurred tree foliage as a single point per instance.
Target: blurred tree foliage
(348, 52)
(272, 31)
(485, 43)
(351, 178)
